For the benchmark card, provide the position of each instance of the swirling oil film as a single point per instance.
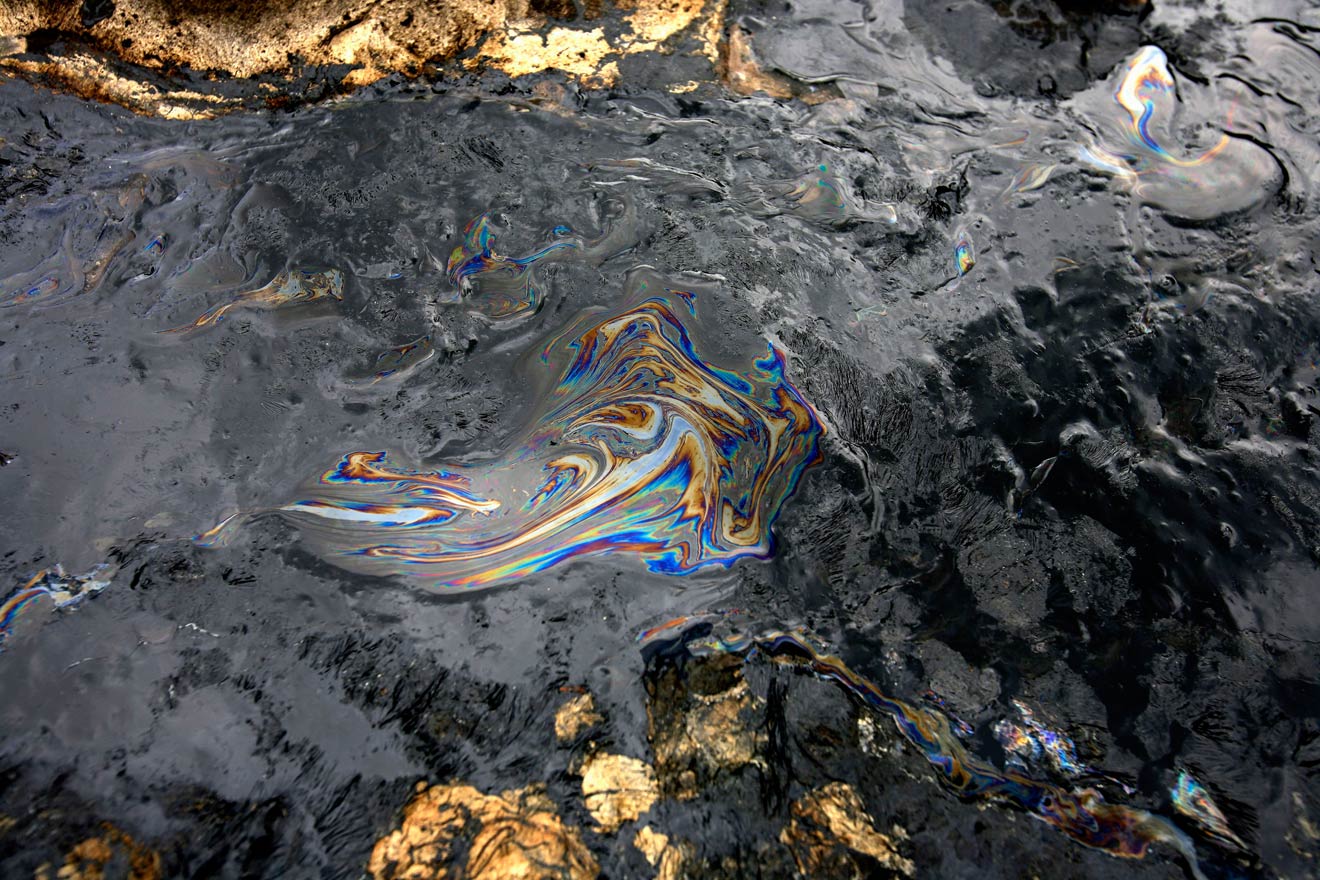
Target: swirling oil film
(641, 448)
(714, 439)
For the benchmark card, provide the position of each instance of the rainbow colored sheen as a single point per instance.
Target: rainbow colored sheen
(1146, 92)
(1146, 83)
(499, 287)
(1191, 799)
(820, 197)
(1029, 178)
(403, 360)
(44, 289)
(960, 727)
(640, 448)
(964, 256)
(63, 590)
(1138, 145)
(288, 288)
(1083, 814)
(1030, 742)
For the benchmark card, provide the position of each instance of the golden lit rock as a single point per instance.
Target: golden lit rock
(590, 55)
(698, 724)
(92, 78)
(665, 856)
(743, 74)
(617, 789)
(829, 826)
(372, 38)
(655, 21)
(112, 853)
(577, 52)
(248, 39)
(575, 716)
(453, 831)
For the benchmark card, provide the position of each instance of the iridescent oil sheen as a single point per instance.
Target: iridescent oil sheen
(403, 360)
(287, 288)
(1140, 146)
(1147, 95)
(505, 289)
(964, 255)
(1028, 742)
(641, 447)
(502, 287)
(63, 590)
(1191, 799)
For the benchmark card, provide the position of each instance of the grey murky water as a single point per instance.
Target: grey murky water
(997, 373)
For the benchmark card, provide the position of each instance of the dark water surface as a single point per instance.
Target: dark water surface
(981, 397)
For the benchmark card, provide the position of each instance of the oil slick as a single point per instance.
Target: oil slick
(112, 234)
(640, 447)
(1191, 799)
(386, 371)
(63, 590)
(1029, 742)
(818, 196)
(397, 363)
(1137, 144)
(432, 498)
(964, 257)
(42, 290)
(821, 197)
(1083, 814)
(97, 234)
(505, 289)
(290, 287)
(1030, 178)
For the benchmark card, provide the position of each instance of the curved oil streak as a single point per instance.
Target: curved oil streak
(1146, 92)
(506, 288)
(964, 255)
(1146, 85)
(820, 196)
(287, 288)
(1136, 148)
(401, 361)
(1191, 799)
(641, 447)
(1030, 741)
(52, 583)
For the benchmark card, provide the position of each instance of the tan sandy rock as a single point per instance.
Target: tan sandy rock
(830, 824)
(699, 724)
(112, 849)
(617, 789)
(666, 856)
(453, 831)
(372, 37)
(575, 716)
